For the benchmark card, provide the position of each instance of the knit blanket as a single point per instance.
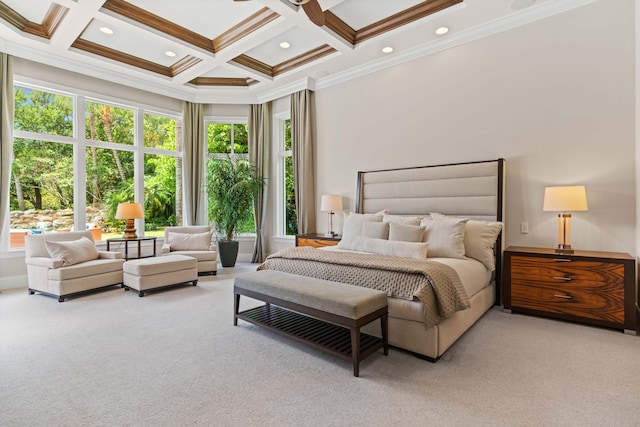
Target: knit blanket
(436, 285)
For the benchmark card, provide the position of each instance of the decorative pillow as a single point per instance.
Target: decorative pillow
(399, 219)
(445, 236)
(406, 233)
(417, 250)
(73, 251)
(189, 241)
(353, 226)
(479, 240)
(376, 230)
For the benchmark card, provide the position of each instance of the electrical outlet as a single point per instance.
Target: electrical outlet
(524, 227)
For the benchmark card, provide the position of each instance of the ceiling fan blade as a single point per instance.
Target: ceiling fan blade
(314, 12)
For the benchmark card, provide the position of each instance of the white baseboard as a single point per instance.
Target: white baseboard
(13, 282)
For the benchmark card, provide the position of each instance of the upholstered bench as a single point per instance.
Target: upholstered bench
(325, 314)
(153, 273)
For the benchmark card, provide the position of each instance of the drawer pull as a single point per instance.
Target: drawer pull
(563, 296)
(562, 260)
(566, 279)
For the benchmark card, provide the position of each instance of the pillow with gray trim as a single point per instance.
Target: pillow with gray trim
(445, 236)
(72, 252)
(479, 239)
(189, 241)
(406, 233)
(353, 226)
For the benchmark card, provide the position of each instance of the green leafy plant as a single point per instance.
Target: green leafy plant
(232, 187)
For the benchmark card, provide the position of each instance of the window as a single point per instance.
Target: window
(125, 151)
(287, 219)
(162, 171)
(229, 140)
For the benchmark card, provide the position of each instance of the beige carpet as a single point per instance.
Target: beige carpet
(174, 359)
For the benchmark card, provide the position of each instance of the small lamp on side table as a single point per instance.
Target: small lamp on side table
(331, 203)
(129, 211)
(564, 199)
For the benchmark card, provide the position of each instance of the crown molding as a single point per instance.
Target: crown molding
(532, 14)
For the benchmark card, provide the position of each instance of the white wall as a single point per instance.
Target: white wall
(555, 98)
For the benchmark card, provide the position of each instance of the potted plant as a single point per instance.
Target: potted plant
(232, 187)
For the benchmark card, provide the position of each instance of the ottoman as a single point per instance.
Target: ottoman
(152, 273)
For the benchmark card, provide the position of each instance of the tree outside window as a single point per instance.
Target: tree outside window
(43, 181)
(224, 140)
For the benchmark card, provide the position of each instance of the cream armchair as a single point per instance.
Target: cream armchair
(194, 241)
(64, 264)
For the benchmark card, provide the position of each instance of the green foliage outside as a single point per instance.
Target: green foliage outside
(42, 171)
(224, 140)
(291, 220)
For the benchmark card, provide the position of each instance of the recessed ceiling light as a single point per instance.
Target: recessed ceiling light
(387, 49)
(170, 53)
(285, 45)
(442, 30)
(106, 30)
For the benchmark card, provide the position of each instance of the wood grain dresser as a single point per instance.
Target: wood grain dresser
(597, 288)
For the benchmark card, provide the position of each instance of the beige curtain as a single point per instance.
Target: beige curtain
(259, 148)
(6, 135)
(194, 164)
(303, 160)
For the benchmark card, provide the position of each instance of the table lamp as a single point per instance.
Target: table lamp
(331, 203)
(565, 199)
(129, 211)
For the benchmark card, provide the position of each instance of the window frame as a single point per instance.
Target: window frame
(224, 120)
(80, 144)
(280, 154)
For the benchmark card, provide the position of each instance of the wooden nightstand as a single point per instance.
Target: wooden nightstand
(597, 288)
(316, 240)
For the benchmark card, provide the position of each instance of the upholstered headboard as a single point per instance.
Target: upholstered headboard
(472, 190)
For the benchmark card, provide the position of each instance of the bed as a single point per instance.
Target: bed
(459, 209)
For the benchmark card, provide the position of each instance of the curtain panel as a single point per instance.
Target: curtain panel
(302, 147)
(6, 138)
(259, 148)
(194, 164)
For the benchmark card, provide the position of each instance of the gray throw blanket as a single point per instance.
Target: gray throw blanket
(436, 285)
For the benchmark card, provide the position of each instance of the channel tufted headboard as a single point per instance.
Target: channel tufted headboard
(471, 190)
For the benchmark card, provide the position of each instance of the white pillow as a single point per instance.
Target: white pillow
(353, 226)
(399, 219)
(406, 233)
(479, 240)
(417, 250)
(73, 251)
(445, 236)
(376, 230)
(189, 241)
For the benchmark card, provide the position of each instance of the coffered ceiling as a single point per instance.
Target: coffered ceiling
(230, 51)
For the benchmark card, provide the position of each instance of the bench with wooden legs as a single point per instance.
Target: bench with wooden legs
(327, 315)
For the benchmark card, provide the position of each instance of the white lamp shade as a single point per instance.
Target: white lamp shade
(564, 199)
(129, 211)
(331, 202)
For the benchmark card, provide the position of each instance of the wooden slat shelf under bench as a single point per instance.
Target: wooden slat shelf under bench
(325, 336)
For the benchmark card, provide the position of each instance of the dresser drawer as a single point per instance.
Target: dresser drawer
(593, 287)
(555, 270)
(599, 301)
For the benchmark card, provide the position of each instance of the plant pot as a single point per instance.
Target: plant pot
(228, 252)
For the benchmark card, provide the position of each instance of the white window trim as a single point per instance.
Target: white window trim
(280, 153)
(80, 97)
